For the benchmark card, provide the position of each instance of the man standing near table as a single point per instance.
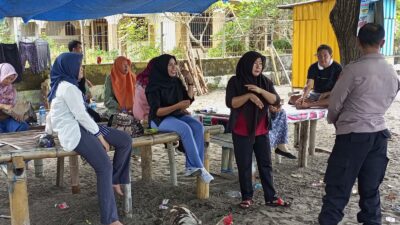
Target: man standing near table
(357, 106)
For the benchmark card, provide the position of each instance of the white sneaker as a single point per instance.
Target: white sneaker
(192, 172)
(206, 176)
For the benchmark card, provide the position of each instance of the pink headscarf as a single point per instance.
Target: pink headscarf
(8, 94)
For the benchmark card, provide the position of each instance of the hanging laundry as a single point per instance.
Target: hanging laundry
(9, 54)
(29, 53)
(43, 51)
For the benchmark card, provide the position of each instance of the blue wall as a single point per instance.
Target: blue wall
(389, 7)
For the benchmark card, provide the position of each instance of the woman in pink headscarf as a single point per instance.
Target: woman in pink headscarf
(141, 107)
(8, 98)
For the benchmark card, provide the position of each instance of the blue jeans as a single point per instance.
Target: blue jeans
(11, 125)
(191, 132)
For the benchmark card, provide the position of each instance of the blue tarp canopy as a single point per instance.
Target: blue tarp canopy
(62, 10)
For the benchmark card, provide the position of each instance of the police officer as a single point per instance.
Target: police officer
(359, 100)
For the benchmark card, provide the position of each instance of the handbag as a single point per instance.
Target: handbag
(128, 124)
(22, 109)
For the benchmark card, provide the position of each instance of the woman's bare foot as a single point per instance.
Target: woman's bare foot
(116, 223)
(118, 190)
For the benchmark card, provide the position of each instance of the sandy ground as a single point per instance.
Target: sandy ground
(291, 183)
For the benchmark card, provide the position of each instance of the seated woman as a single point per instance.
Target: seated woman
(279, 133)
(168, 100)
(8, 98)
(249, 95)
(78, 132)
(141, 108)
(119, 87)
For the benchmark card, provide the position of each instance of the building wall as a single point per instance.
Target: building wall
(389, 14)
(311, 28)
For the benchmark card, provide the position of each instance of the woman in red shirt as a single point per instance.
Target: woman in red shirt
(249, 95)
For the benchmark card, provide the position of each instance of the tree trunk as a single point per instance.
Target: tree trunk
(344, 20)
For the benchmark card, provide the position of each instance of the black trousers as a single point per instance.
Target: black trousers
(355, 155)
(244, 154)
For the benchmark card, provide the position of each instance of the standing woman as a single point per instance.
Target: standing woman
(249, 95)
(78, 132)
(8, 98)
(168, 100)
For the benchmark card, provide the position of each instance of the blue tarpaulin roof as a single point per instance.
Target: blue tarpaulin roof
(62, 10)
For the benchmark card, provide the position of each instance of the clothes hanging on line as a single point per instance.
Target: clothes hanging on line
(29, 53)
(43, 51)
(37, 53)
(9, 54)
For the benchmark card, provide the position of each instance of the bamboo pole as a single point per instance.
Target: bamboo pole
(60, 172)
(172, 164)
(203, 189)
(38, 167)
(278, 82)
(29, 151)
(147, 158)
(74, 173)
(127, 189)
(18, 192)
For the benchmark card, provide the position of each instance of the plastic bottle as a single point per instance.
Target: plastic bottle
(42, 116)
(93, 104)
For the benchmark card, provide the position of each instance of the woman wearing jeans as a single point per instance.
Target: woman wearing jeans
(249, 95)
(78, 132)
(168, 100)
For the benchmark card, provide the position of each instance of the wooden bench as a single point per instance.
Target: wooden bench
(22, 146)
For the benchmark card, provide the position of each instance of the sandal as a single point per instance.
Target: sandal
(278, 202)
(246, 204)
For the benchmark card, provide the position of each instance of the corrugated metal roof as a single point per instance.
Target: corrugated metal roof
(290, 6)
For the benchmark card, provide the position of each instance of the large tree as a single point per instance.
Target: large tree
(344, 19)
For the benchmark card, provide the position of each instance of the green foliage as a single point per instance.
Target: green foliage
(133, 29)
(282, 44)
(106, 56)
(5, 34)
(178, 52)
(142, 52)
(55, 48)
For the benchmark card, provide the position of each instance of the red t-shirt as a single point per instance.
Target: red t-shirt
(241, 126)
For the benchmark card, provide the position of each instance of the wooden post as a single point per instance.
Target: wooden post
(231, 157)
(296, 135)
(278, 82)
(126, 188)
(74, 173)
(147, 158)
(313, 129)
(203, 189)
(225, 159)
(18, 192)
(60, 172)
(38, 167)
(172, 164)
(303, 143)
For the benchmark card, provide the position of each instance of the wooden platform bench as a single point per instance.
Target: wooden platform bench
(21, 146)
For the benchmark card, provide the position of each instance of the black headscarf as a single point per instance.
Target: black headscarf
(245, 76)
(159, 77)
(170, 89)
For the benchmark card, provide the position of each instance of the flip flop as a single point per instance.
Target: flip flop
(246, 204)
(278, 202)
(285, 154)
